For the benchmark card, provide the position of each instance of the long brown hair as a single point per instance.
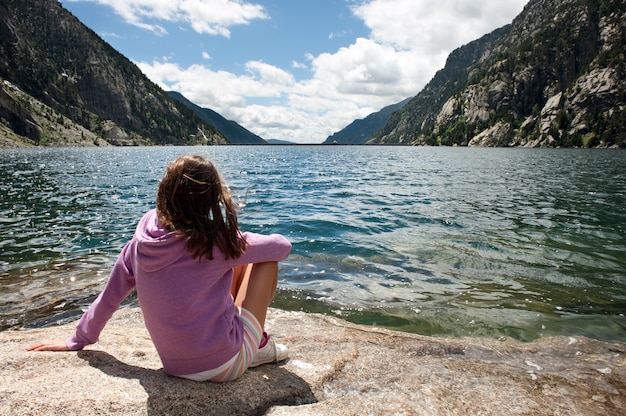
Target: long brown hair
(193, 201)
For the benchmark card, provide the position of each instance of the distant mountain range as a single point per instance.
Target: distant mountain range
(360, 131)
(555, 76)
(234, 133)
(275, 141)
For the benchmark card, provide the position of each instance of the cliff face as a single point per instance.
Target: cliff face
(556, 76)
(55, 59)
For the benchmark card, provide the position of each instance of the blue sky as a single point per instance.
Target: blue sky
(296, 70)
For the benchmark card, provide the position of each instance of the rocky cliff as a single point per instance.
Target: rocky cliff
(556, 76)
(66, 74)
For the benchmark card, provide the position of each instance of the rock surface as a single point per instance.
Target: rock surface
(335, 368)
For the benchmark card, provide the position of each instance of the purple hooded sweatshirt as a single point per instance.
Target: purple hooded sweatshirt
(186, 302)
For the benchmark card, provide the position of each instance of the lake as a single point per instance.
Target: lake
(493, 242)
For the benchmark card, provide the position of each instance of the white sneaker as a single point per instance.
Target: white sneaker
(271, 352)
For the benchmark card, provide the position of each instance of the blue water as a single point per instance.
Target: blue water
(525, 243)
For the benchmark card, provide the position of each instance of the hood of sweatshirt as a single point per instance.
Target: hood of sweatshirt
(157, 247)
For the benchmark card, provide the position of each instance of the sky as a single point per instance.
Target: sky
(294, 70)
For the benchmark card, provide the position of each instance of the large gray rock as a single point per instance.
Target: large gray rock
(335, 368)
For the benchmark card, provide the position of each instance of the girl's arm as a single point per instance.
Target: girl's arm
(263, 248)
(120, 283)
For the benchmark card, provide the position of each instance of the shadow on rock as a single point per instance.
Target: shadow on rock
(253, 394)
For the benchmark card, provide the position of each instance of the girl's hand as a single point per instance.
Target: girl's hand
(58, 345)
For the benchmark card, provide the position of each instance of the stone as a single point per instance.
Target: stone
(498, 135)
(549, 112)
(335, 368)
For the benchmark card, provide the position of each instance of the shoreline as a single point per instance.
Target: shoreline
(332, 362)
(390, 318)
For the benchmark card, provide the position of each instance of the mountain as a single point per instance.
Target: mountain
(277, 141)
(556, 76)
(25, 121)
(57, 73)
(234, 133)
(359, 131)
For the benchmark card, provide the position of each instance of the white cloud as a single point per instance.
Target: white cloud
(341, 34)
(111, 35)
(409, 41)
(367, 68)
(298, 65)
(432, 26)
(270, 76)
(213, 17)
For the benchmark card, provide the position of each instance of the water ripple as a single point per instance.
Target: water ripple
(516, 242)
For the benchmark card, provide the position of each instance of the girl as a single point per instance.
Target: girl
(203, 286)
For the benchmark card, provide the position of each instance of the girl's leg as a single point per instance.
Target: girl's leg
(239, 272)
(254, 286)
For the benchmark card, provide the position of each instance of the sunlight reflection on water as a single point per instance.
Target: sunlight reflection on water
(454, 241)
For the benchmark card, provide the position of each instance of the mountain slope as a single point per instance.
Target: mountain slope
(556, 76)
(359, 131)
(50, 55)
(234, 133)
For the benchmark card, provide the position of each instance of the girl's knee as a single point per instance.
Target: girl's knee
(268, 269)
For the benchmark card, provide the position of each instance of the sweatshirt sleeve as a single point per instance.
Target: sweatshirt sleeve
(119, 285)
(261, 248)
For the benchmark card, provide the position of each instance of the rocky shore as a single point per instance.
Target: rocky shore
(335, 368)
